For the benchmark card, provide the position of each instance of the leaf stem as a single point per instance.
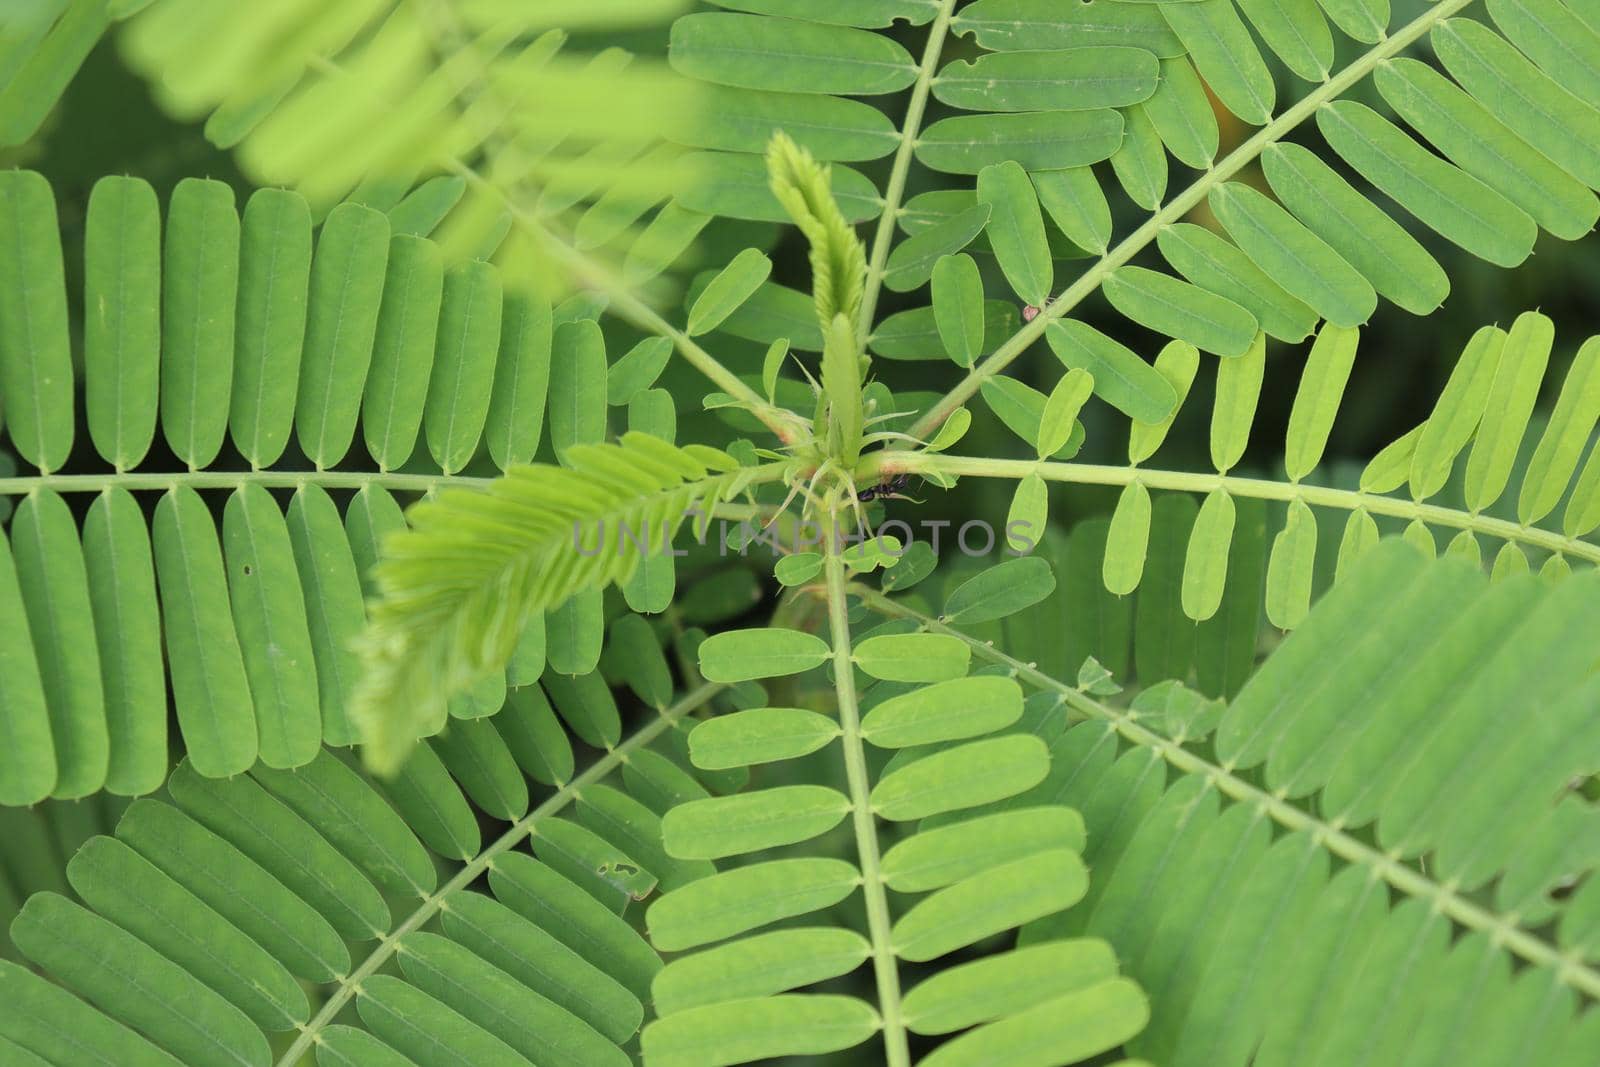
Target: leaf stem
(525, 827)
(1259, 488)
(1178, 207)
(855, 761)
(1447, 898)
(895, 191)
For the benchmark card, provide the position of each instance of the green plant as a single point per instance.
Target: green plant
(1251, 782)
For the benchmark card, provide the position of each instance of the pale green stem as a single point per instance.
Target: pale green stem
(1177, 208)
(525, 827)
(1569, 968)
(894, 193)
(1259, 488)
(855, 762)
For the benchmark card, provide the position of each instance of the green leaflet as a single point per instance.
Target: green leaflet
(269, 616)
(1523, 359)
(753, 52)
(1077, 79)
(958, 308)
(946, 711)
(1121, 378)
(1073, 1026)
(1386, 255)
(734, 901)
(913, 260)
(912, 657)
(741, 655)
(577, 386)
(35, 346)
(1011, 25)
(1016, 231)
(999, 591)
(1296, 31)
(1178, 362)
(478, 757)
(749, 822)
(1456, 415)
(542, 963)
(1076, 204)
(107, 965)
(742, 191)
(1293, 256)
(1029, 514)
(55, 594)
(457, 405)
(274, 836)
(945, 855)
(1181, 112)
(28, 765)
(832, 129)
(1448, 200)
(334, 611)
(1516, 92)
(129, 890)
(585, 702)
(1128, 540)
(736, 283)
(498, 1003)
(1391, 467)
(402, 350)
(1481, 145)
(1044, 140)
(637, 370)
(1555, 37)
(1365, 20)
(209, 685)
(347, 276)
(869, 14)
(412, 1021)
(1316, 402)
(433, 805)
(759, 1028)
(991, 901)
(44, 1011)
(1234, 412)
(1227, 58)
(1205, 566)
(757, 966)
(420, 213)
(1289, 571)
(1572, 421)
(1022, 408)
(274, 278)
(982, 990)
(122, 327)
(199, 286)
(1210, 262)
(1141, 163)
(1059, 422)
(978, 772)
(1177, 309)
(521, 380)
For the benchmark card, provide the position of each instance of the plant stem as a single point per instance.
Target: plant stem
(895, 192)
(525, 827)
(1259, 488)
(1570, 968)
(1180, 206)
(855, 763)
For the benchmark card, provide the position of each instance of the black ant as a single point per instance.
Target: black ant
(888, 487)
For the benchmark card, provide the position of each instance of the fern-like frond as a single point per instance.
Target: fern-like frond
(327, 361)
(1505, 488)
(199, 927)
(456, 590)
(1418, 735)
(957, 745)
